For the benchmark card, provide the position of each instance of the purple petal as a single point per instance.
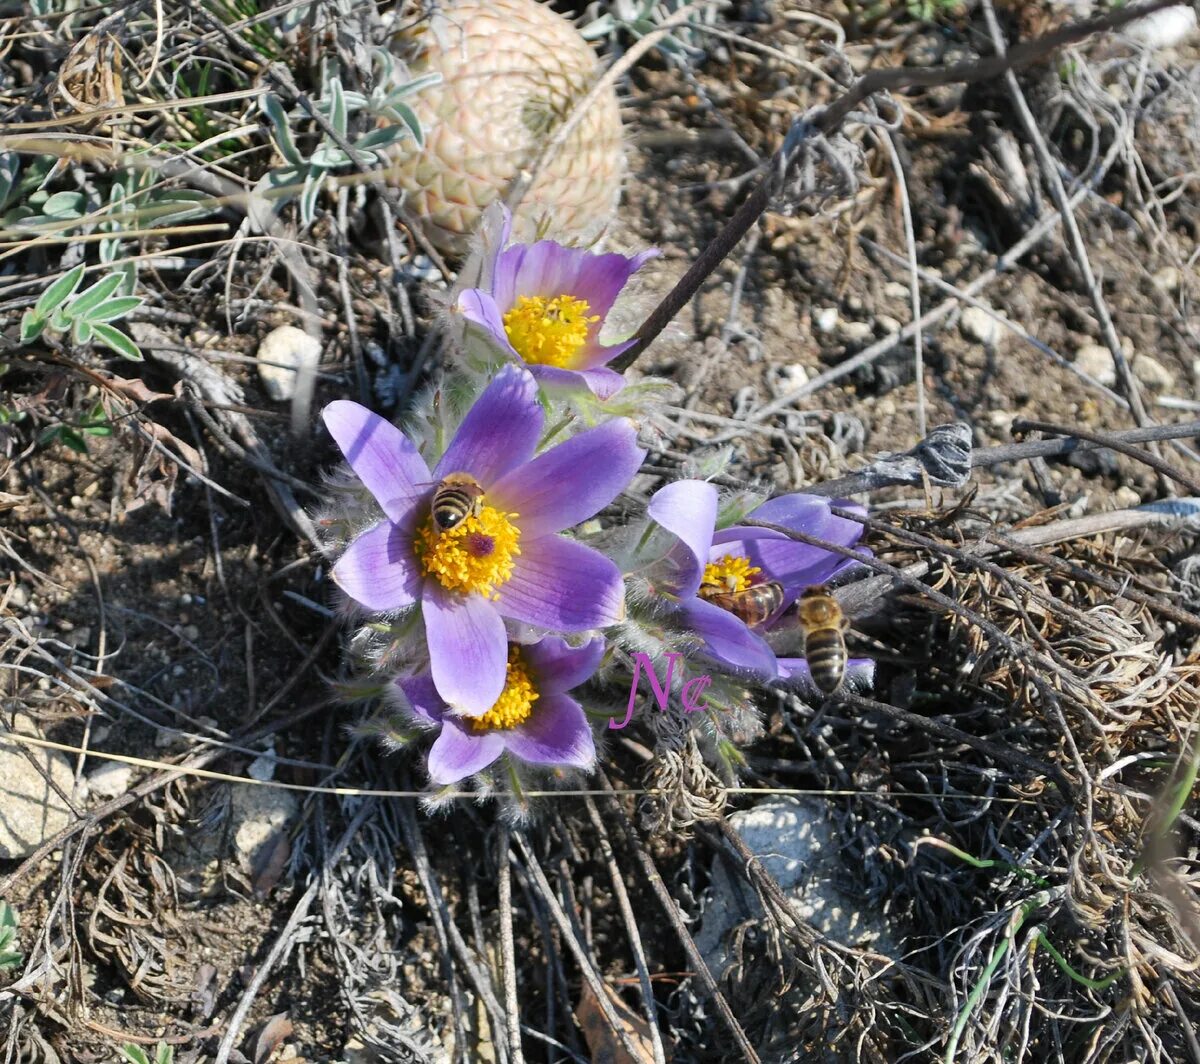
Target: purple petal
(479, 307)
(468, 650)
(557, 733)
(688, 510)
(382, 457)
(379, 570)
(543, 269)
(602, 382)
(860, 672)
(499, 432)
(797, 511)
(795, 565)
(728, 639)
(603, 277)
(458, 753)
(558, 666)
(570, 482)
(564, 586)
(424, 703)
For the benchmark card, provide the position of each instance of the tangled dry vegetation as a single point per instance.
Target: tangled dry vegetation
(227, 864)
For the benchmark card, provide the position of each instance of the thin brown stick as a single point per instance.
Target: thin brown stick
(830, 119)
(1109, 440)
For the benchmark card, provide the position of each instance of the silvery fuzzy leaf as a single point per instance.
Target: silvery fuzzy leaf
(273, 109)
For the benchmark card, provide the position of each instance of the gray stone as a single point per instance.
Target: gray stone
(978, 325)
(1167, 280)
(1097, 362)
(110, 780)
(1166, 28)
(31, 811)
(825, 319)
(857, 331)
(1152, 373)
(283, 352)
(796, 844)
(258, 814)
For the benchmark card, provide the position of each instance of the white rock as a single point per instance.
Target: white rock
(896, 290)
(31, 811)
(1152, 373)
(887, 324)
(1125, 498)
(796, 844)
(825, 319)
(857, 331)
(790, 377)
(1166, 28)
(282, 352)
(1097, 362)
(1167, 280)
(110, 780)
(978, 325)
(18, 596)
(1196, 376)
(258, 814)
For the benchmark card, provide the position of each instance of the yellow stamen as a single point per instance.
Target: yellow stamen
(475, 555)
(732, 573)
(515, 703)
(549, 332)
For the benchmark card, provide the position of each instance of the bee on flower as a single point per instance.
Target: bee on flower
(733, 587)
(497, 552)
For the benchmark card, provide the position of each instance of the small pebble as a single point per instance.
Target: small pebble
(887, 324)
(895, 290)
(78, 502)
(19, 597)
(857, 331)
(191, 632)
(978, 325)
(854, 304)
(791, 376)
(185, 599)
(1165, 28)
(1126, 498)
(825, 319)
(1167, 280)
(110, 780)
(1196, 376)
(1152, 373)
(1097, 362)
(282, 352)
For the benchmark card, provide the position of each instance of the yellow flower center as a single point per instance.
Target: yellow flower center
(476, 555)
(732, 573)
(515, 703)
(548, 332)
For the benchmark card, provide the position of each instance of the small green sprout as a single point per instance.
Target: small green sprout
(10, 957)
(134, 1054)
(88, 316)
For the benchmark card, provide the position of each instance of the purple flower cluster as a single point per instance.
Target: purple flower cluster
(474, 552)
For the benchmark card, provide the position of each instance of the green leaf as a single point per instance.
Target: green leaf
(10, 167)
(381, 139)
(338, 117)
(115, 308)
(64, 205)
(94, 296)
(58, 293)
(31, 327)
(164, 1054)
(134, 1054)
(10, 960)
(112, 337)
(60, 321)
(328, 157)
(416, 85)
(308, 198)
(81, 330)
(178, 205)
(18, 215)
(403, 113)
(8, 916)
(273, 109)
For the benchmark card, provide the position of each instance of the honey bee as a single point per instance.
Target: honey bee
(457, 497)
(823, 623)
(753, 606)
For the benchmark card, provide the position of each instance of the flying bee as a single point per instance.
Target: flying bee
(457, 497)
(823, 623)
(753, 606)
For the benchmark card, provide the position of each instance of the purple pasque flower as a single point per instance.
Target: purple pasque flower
(533, 720)
(707, 562)
(544, 305)
(505, 559)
